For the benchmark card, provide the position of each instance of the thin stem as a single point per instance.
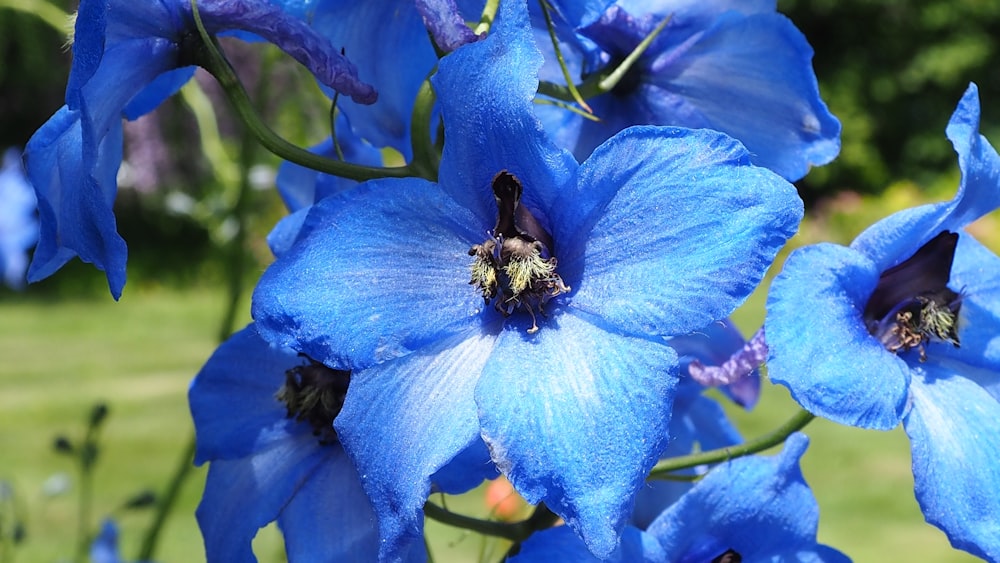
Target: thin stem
(207, 56)
(759, 444)
(489, 14)
(559, 57)
(184, 467)
(426, 158)
(541, 518)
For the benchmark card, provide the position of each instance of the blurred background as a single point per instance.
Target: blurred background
(891, 70)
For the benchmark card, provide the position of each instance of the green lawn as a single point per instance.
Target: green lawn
(60, 357)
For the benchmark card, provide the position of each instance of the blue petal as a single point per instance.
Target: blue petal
(330, 517)
(382, 271)
(243, 495)
(404, 420)
(232, 398)
(819, 345)
(18, 224)
(670, 229)
(74, 198)
(576, 417)
(714, 345)
(759, 507)
(485, 91)
(976, 275)
(955, 455)
(105, 546)
(895, 238)
(397, 63)
(561, 544)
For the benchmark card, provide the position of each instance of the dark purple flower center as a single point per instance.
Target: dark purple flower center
(514, 267)
(314, 393)
(912, 304)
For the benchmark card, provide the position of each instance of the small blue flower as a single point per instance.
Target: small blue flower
(879, 333)
(736, 67)
(18, 222)
(758, 508)
(554, 353)
(127, 58)
(104, 548)
(274, 460)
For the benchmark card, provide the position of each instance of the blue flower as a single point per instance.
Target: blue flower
(274, 460)
(866, 335)
(104, 548)
(560, 366)
(18, 223)
(758, 508)
(127, 58)
(735, 67)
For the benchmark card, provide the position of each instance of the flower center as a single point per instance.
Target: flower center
(912, 304)
(514, 267)
(315, 394)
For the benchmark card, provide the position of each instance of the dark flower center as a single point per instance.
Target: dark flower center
(912, 304)
(729, 556)
(315, 394)
(514, 267)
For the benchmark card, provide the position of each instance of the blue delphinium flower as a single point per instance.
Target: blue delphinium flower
(559, 365)
(18, 222)
(104, 548)
(904, 326)
(736, 67)
(127, 58)
(263, 418)
(751, 508)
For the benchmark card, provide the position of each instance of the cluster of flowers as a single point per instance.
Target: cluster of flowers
(531, 308)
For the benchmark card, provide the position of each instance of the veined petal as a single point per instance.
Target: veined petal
(670, 229)
(819, 346)
(243, 495)
(576, 417)
(561, 544)
(756, 506)
(383, 270)
(404, 420)
(895, 238)
(955, 456)
(244, 372)
(762, 65)
(485, 91)
(75, 198)
(330, 518)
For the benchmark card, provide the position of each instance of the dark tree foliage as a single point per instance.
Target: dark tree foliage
(892, 71)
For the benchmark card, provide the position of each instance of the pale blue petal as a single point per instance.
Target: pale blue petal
(403, 421)
(243, 495)
(384, 270)
(758, 506)
(485, 91)
(840, 371)
(232, 398)
(561, 544)
(330, 518)
(671, 229)
(576, 417)
(955, 450)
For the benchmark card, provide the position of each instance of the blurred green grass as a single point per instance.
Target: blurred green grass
(60, 356)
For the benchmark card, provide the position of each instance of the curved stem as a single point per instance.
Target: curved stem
(207, 55)
(516, 532)
(426, 158)
(759, 444)
(489, 14)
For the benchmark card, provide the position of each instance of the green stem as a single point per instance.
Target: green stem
(759, 444)
(426, 158)
(49, 13)
(207, 56)
(577, 97)
(83, 510)
(516, 532)
(166, 503)
(606, 80)
(489, 14)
